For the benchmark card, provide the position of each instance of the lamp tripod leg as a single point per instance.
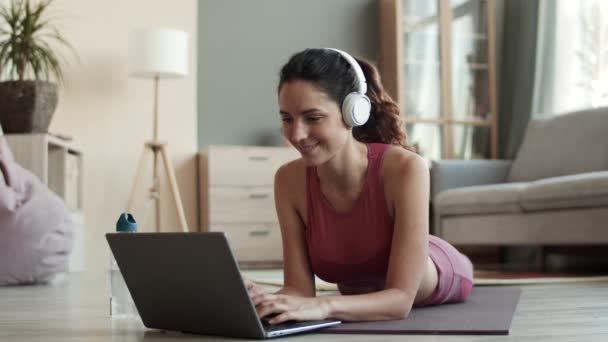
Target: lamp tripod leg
(174, 189)
(155, 190)
(138, 178)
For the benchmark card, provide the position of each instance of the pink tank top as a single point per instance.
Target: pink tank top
(350, 247)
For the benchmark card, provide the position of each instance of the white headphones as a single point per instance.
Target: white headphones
(356, 107)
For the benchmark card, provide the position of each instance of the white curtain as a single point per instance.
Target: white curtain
(572, 57)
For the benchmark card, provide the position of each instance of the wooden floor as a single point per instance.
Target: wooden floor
(76, 309)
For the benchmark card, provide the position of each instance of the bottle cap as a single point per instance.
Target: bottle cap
(126, 223)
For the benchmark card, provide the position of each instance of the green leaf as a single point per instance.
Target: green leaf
(24, 41)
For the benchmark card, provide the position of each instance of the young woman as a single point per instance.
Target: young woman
(354, 209)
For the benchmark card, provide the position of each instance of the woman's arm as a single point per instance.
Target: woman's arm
(407, 178)
(298, 278)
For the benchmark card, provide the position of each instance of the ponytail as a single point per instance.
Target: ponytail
(384, 124)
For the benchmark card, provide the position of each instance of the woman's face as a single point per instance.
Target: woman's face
(312, 121)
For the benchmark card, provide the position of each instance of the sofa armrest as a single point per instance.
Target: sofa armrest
(448, 174)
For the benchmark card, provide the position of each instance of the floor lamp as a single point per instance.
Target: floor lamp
(158, 53)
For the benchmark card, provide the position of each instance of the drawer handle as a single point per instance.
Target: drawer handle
(258, 196)
(259, 233)
(258, 158)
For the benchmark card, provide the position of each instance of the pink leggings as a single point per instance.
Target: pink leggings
(455, 274)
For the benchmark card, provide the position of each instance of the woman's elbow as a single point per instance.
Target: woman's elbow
(403, 305)
(401, 313)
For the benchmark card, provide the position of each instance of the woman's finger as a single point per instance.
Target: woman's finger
(282, 317)
(255, 291)
(257, 298)
(250, 285)
(263, 297)
(269, 308)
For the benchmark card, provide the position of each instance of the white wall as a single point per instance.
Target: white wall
(110, 115)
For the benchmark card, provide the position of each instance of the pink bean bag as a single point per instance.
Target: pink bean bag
(36, 233)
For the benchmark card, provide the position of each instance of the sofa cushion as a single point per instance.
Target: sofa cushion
(481, 199)
(576, 191)
(563, 145)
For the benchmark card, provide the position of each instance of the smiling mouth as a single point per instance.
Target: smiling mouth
(308, 148)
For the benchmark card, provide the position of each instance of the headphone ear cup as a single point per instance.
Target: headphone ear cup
(356, 109)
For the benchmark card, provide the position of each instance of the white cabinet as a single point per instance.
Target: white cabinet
(237, 197)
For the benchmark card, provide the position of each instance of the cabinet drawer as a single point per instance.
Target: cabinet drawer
(235, 165)
(241, 204)
(253, 242)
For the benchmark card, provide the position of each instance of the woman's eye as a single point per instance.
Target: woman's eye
(285, 119)
(314, 118)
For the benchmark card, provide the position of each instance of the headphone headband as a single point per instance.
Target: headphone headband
(356, 106)
(362, 89)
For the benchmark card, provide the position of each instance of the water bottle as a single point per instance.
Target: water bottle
(121, 303)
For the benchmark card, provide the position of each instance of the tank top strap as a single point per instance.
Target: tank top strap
(375, 152)
(312, 185)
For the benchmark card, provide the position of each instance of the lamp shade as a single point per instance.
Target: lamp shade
(159, 52)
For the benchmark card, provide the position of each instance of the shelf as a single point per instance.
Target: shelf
(55, 162)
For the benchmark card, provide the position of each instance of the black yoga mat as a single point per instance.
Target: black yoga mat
(488, 311)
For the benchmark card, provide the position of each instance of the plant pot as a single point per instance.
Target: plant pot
(27, 106)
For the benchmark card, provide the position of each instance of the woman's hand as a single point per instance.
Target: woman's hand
(253, 289)
(286, 307)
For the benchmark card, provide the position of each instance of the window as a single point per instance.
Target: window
(572, 56)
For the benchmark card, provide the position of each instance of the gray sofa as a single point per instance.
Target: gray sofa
(555, 191)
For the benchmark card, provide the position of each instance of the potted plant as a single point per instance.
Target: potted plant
(28, 97)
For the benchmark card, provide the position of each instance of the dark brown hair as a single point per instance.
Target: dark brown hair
(331, 73)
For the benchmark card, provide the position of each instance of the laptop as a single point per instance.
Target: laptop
(190, 282)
